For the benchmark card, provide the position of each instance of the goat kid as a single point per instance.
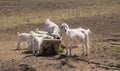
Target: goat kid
(21, 38)
(37, 43)
(32, 41)
(40, 32)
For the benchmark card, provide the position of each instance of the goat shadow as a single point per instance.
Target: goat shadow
(18, 49)
(63, 56)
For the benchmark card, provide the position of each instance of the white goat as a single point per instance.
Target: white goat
(40, 32)
(33, 41)
(21, 38)
(79, 34)
(37, 42)
(52, 28)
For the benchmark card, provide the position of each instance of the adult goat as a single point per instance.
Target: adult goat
(52, 29)
(79, 34)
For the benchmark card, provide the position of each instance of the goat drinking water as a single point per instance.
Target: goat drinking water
(52, 29)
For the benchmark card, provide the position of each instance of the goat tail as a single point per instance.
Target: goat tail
(47, 20)
(36, 30)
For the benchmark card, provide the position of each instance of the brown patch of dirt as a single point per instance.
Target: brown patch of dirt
(103, 35)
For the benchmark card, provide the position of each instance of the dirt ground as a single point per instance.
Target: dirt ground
(104, 42)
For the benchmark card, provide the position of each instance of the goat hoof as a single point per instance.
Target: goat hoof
(66, 54)
(18, 48)
(86, 54)
(83, 54)
(34, 54)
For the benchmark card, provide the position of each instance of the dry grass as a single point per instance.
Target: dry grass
(115, 52)
(29, 15)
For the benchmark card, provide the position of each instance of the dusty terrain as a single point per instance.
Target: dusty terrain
(104, 37)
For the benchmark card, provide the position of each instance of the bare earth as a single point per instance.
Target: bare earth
(104, 41)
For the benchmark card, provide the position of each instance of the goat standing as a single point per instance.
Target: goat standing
(21, 38)
(77, 34)
(52, 28)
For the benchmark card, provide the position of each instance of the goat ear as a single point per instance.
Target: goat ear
(18, 33)
(36, 29)
(47, 19)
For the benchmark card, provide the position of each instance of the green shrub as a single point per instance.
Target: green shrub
(61, 49)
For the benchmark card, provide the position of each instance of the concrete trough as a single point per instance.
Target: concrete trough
(51, 46)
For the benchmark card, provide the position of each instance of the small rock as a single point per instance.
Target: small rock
(24, 64)
(63, 61)
(26, 67)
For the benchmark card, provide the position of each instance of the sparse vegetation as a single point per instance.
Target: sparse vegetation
(61, 49)
(101, 16)
(33, 14)
(114, 65)
(115, 52)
